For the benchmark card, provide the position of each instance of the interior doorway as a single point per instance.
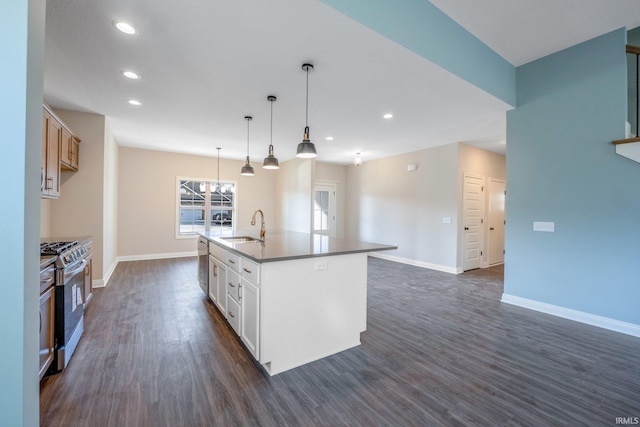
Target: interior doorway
(495, 244)
(324, 208)
(472, 220)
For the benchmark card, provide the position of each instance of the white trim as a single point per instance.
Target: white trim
(157, 256)
(101, 283)
(575, 315)
(430, 266)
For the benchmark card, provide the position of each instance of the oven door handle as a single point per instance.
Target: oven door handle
(81, 266)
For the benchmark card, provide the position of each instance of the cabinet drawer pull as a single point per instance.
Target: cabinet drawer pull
(231, 261)
(232, 285)
(247, 270)
(231, 313)
(239, 296)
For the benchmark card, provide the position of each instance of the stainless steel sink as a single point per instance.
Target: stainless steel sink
(241, 239)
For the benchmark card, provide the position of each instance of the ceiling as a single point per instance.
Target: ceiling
(205, 65)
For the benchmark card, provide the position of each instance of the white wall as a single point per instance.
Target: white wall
(147, 199)
(294, 192)
(386, 203)
(80, 210)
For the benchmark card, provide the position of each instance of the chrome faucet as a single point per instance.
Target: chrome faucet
(263, 230)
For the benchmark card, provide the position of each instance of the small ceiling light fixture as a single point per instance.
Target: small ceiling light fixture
(131, 75)
(125, 28)
(388, 116)
(271, 162)
(247, 169)
(358, 160)
(306, 149)
(329, 138)
(135, 102)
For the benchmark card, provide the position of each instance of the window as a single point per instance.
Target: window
(203, 205)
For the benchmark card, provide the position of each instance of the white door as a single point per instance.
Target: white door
(472, 218)
(496, 221)
(324, 209)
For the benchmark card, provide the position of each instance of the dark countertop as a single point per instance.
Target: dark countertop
(47, 260)
(288, 245)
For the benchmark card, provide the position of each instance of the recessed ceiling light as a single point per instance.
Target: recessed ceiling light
(329, 138)
(130, 75)
(125, 28)
(135, 102)
(388, 116)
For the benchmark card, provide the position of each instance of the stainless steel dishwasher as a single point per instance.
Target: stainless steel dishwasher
(203, 264)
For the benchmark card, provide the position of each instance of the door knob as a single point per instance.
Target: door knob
(491, 228)
(466, 228)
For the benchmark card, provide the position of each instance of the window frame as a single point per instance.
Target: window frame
(208, 208)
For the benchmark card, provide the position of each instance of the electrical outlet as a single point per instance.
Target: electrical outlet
(321, 265)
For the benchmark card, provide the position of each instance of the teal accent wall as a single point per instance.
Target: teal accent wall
(422, 28)
(562, 167)
(21, 56)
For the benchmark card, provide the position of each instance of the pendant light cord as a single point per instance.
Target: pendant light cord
(248, 120)
(271, 130)
(307, 101)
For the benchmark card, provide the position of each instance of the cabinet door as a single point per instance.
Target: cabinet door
(47, 311)
(75, 152)
(250, 310)
(221, 300)
(233, 314)
(52, 170)
(65, 148)
(88, 282)
(213, 279)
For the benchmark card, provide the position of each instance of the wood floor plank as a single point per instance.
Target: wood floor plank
(439, 350)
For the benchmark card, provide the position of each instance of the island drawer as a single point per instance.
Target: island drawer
(233, 261)
(250, 270)
(218, 252)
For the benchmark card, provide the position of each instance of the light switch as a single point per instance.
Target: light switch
(446, 220)
(548, 227)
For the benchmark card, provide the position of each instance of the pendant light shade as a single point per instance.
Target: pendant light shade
(271, 162)
(247, 169)
(306, 149)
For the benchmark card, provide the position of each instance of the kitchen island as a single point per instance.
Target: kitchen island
(293, 297)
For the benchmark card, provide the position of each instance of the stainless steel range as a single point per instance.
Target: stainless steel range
(69, 304)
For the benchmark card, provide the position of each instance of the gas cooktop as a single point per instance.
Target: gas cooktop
(55, 248)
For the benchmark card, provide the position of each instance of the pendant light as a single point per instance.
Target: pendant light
(358, 160)
(306, 149)
(247, 169)
(271, 162)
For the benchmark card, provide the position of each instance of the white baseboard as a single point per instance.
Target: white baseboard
(101, 283)
(575, 315)
(144, 257)
(437, 267)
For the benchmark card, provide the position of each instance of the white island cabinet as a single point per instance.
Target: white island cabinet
(295, 298)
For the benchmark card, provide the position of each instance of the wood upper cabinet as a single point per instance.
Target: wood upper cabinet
(60, 151)
(51, 146)
(69, 151)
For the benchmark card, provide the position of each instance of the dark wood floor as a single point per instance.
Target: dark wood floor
(439, 349)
